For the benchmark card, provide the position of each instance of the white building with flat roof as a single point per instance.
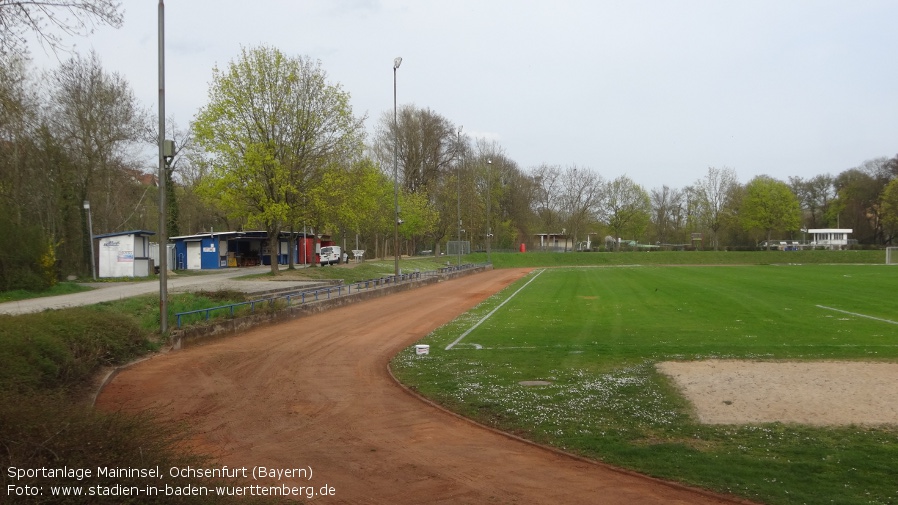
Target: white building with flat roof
(831, 238)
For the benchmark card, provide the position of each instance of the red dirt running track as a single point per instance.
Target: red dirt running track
(316, 393)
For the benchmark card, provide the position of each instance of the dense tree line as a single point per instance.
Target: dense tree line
(278, 147)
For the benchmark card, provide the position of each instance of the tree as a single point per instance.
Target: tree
(857, 204)
(72, 17)
(768, 205)
(580, 194)
(353, 197)
(91, 129)
(668, 213)
(711, 199)
(625, 207)
(546, 202)
(184, 143)
(427, 146)
(889, 210)
(19, 117)
(272, 126)
(814, 195)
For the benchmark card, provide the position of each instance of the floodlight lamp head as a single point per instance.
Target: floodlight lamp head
(397, 62)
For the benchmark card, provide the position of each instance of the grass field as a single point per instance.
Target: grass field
(595, 333)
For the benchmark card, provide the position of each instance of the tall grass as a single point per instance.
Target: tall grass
(596, 333)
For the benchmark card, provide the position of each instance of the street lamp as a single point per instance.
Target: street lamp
(90, 231)
(458, 191)
(489, 231)
(396, 63)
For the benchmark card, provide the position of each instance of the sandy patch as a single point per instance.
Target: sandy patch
(815, 393)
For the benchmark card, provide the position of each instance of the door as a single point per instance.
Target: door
(194, 256)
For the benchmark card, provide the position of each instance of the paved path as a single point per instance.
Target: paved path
(316, 393)
(109, 291)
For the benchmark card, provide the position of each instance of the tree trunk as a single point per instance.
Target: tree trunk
(291, 250)
(274, 247)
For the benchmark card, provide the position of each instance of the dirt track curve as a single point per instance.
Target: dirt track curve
(316, 393)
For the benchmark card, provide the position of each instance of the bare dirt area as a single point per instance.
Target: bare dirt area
(316, 393)
(827, 393)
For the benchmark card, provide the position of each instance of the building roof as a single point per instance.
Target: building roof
(254, 234)
(139, 233)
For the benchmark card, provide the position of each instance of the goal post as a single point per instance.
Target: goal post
(891, 255)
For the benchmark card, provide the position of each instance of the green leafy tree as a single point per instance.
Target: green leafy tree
(353, 198)
(768, 205)
(272, 127)
(889, 210)
(626, 207)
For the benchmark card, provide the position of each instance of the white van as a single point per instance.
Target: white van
(330, 255)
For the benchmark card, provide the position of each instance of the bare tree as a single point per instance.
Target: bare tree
(547, 197)
(581, 192)
(668, 212)
(712, 193)
(426, 148)
(19, 112)
(18, 18)
(94, 126)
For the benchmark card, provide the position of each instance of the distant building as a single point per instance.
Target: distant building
(555, 242)
(830, 238)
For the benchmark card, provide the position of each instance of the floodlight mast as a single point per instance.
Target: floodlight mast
(489, 197)
(396, 63)
(458, 191)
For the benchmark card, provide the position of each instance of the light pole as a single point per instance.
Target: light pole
(90, 234)
(489, 231)
(458, 190)
(163, 220)
(396, 63)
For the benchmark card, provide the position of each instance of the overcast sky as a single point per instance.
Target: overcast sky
(658, 90)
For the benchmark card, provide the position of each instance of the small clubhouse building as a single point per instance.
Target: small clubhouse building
(124, 254)
(829, 238)
(214, 250)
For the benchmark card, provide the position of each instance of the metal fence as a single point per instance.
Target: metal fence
(300, 297)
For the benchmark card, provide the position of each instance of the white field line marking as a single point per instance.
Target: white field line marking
(465, 334)
(858, 315)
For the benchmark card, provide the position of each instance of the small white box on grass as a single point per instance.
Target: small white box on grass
(421, 349)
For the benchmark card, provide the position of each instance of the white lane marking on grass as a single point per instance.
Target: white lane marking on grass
(859, 315)
(465, 334)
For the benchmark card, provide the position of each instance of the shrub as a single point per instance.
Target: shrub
(63, 349)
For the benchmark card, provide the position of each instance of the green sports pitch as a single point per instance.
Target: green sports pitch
(593, 335)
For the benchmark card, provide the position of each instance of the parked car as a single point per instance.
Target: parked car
(330, 255)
